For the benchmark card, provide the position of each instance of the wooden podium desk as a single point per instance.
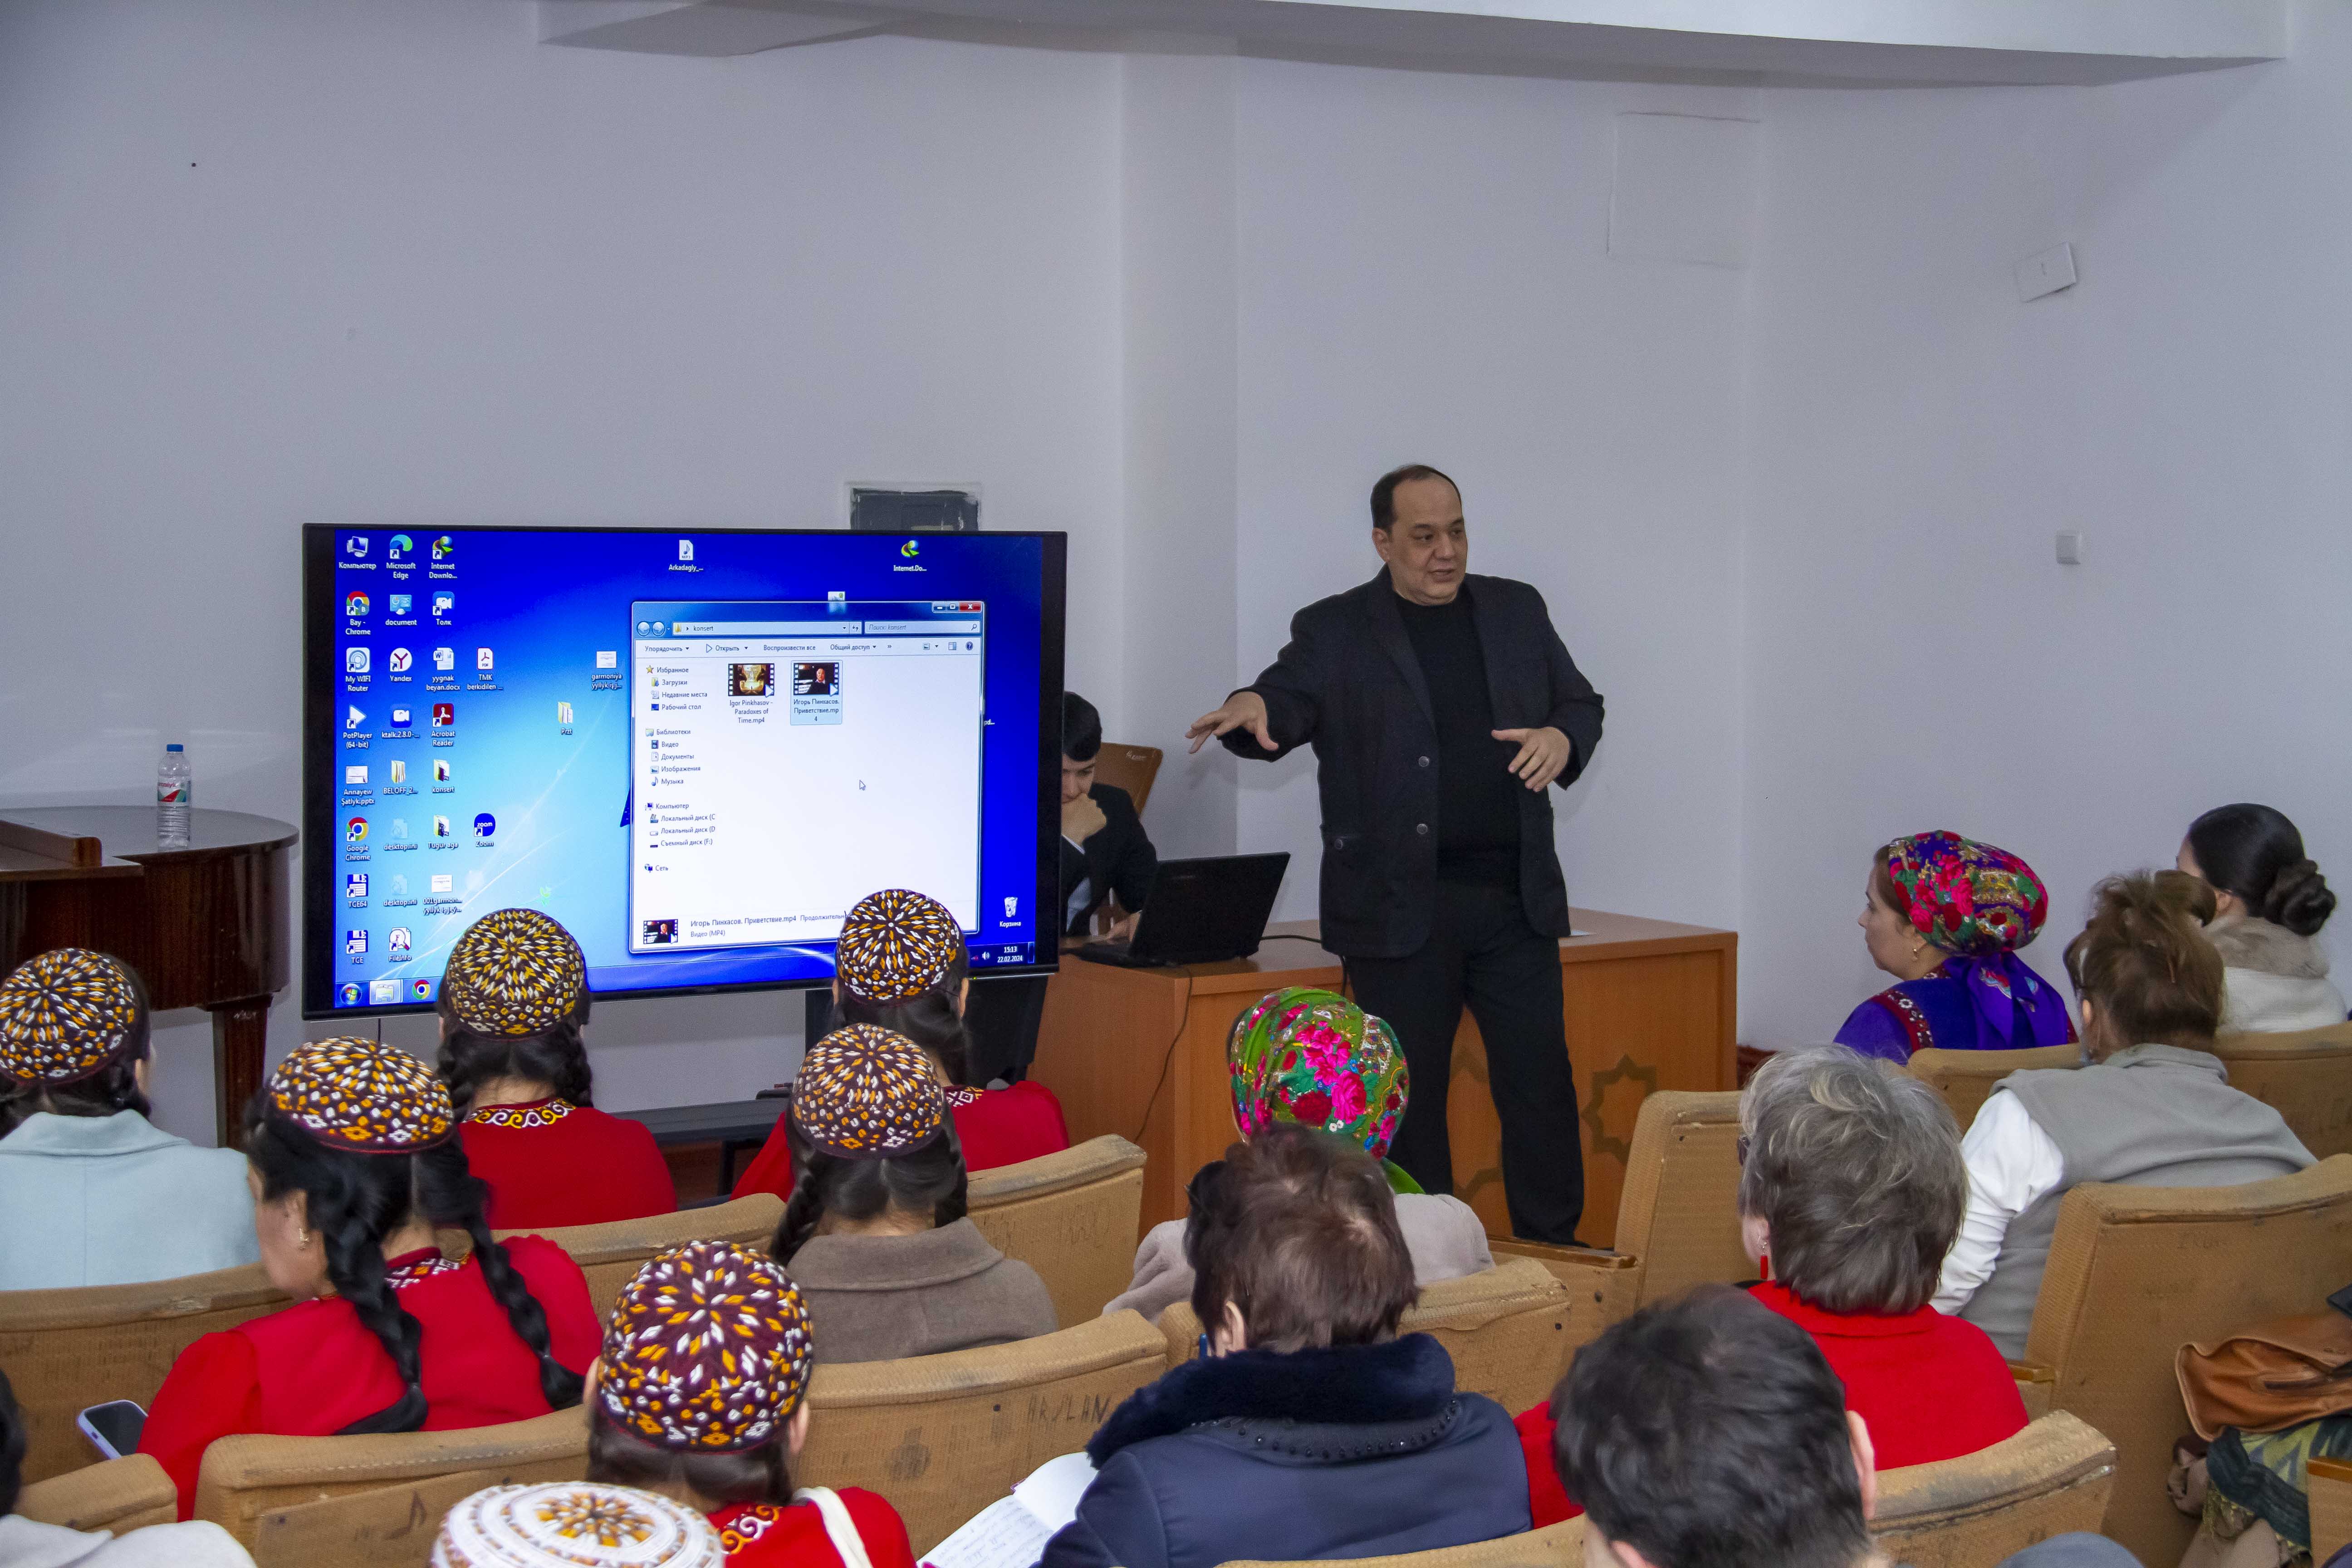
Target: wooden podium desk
(1651, 1004)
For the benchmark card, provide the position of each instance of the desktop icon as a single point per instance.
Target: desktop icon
(383, 993)
(686, 550)
(355, 660)
(445, 603)
(399, 662)
(355, 604)
(355, 830)
(353, 719)
(400, 718)
(356, 773)
(440, 770)
(401, 545)
(442, 883)
(1012, 908)
(396, 943)
(481, 658)
(397, 604)
(445, 715)
(399, 887)
(399, 834)
(444, 547)
(421, 989)
(608, 658)
(349, 995)
(355, 941)
(563, 714)
(399, 772)
(355, 545)
(440, 827)
(909, 549)
(355, 885)
(445, 658)
(485, 826)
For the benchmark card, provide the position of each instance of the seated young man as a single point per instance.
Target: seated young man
(1709, 1431)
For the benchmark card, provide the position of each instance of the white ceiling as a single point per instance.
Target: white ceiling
(1858, 43)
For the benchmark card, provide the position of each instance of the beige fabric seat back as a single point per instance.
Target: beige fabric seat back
(2306, 1077)
(1072, 1216)
(1558, 1545)
(942, 1436)
(1507, 1329)
(611, 1254)
(2136, 1272)
(374, 1498)
(1966, 1079)
(115, 1494)
(2055, 1477)
(65, 1351)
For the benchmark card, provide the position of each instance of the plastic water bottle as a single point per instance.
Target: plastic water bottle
(174, 790)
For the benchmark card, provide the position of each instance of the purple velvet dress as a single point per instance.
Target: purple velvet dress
(1969, 1004)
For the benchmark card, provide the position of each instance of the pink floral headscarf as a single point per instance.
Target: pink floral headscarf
(1315, 1058)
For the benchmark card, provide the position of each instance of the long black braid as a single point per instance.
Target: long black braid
(453, 1196)
(931, 1177)
(556, 1056)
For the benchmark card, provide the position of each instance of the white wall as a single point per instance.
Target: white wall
(1425, 278)
(1915, 658)
(276, 261)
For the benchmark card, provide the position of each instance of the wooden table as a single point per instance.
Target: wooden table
(1142, 1052)
(204, 927)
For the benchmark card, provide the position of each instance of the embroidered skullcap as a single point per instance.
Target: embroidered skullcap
(515, 972)
(1965, 897)
(574, 1524)
(708, 1352)
(360, 1095)
(66, 1014)
(865, 1093)
(897, 944)
(1315, 1058)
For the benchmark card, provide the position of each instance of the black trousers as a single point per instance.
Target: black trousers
(1482, 949)
(1002, 1018)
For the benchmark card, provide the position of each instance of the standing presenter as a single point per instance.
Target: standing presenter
(1439, 705)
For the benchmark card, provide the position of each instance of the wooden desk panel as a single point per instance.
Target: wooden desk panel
(1651, 1004)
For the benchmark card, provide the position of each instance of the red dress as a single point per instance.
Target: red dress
(553, 1163)
(760, 1532)
(313, 1369)
(1929, 1387)
(995, 1126)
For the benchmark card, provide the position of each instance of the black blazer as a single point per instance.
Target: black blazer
(1117, 860)
(1349, 685)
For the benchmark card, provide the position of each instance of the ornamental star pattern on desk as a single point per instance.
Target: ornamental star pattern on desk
(362, 1096)
(896, 944)
(515, 972)
(708, 1352)
(865, 1093)
(65, 1014)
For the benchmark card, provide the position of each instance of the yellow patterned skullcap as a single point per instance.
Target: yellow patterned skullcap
(574, 1524)
(515, 972)
(865, 1093)
(897, 944)
(65, 1014)
(362, 1096)
(708, 1352)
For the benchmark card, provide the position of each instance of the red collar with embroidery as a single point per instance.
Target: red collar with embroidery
(744, 1524)
(536, 1114)
(415, 1267)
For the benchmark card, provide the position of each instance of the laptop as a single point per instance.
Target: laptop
(1207, 911)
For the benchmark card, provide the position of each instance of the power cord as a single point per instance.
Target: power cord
(1167, 1057)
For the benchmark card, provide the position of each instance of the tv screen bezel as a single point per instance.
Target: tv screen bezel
(322, 754)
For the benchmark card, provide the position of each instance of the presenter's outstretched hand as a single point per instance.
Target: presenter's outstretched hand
(1243, 711)
(1542, 754)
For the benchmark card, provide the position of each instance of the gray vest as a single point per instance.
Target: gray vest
(2153, 1116)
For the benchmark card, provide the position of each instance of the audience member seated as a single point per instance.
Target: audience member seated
(2270, 902)
(900, 965)
(26, 1544)
(574, 1524)
(698, 1397)
(355, 1161)
(1709, 1431)
(513, 1002)
(92, 1193)
(1851, 1191)
(2155, 1108)
(874, 1231)
(1306, 1428)
(1313, 1059)
(1945, 916)
(1103, 851)
(2250, 1493)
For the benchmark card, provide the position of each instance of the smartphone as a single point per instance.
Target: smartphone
(113, 1427)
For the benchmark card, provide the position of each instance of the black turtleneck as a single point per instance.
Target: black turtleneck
(1478, 797)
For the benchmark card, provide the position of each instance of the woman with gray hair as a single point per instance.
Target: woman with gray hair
(1851, 1191)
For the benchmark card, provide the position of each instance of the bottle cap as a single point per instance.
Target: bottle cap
(175, 746)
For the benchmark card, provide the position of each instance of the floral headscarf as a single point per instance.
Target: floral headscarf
(1967, 898)
(1315, 1058)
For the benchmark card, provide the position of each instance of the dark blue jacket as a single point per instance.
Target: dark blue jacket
(1355, 1451)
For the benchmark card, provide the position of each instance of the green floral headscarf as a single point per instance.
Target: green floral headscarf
(1315, 1058)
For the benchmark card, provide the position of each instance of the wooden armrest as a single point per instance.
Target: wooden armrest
(2036, 1385)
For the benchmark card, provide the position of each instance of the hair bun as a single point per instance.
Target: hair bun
(2299, 899)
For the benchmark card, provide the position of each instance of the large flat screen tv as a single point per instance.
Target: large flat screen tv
(696, 748)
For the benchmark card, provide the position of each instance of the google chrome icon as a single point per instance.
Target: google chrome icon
(355, 830)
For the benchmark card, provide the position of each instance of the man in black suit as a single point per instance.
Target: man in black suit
(1439, 706)
(1103, 852)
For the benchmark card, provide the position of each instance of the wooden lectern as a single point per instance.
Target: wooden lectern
(1142, 1052)
(205, 926)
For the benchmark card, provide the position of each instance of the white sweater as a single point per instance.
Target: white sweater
(2272, 981)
